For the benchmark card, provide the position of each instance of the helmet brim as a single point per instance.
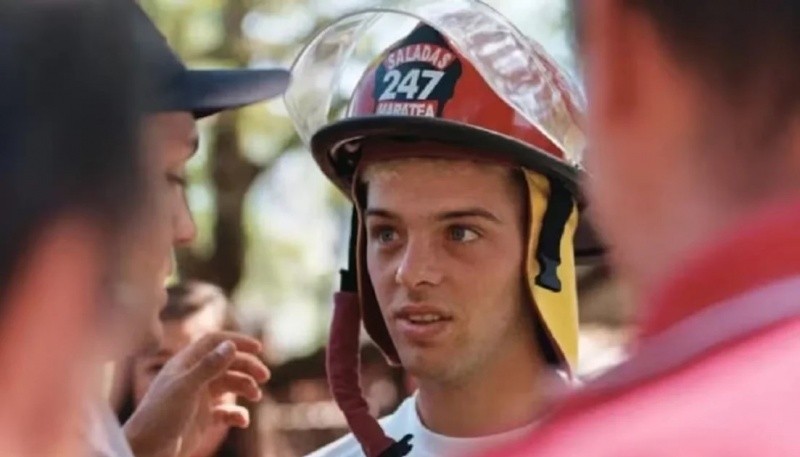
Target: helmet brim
(334, 151)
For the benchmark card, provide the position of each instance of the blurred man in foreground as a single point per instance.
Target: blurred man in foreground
(72, 183)
(694, 124)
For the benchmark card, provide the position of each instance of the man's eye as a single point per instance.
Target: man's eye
(155, 368)
(462, 234)
(385, 235)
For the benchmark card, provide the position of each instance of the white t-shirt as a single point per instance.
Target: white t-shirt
(425, 442)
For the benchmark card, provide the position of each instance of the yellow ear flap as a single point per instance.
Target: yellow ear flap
(557, 309)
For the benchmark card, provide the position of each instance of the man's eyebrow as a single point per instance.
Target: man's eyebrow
(381, 212)
(469, 212)
(443, 216)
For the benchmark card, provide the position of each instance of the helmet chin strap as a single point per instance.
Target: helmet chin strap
(548, 251)
(343, 363)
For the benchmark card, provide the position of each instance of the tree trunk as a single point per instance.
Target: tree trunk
(231, 174)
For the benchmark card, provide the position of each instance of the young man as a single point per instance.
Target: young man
(169, 417)
(462, 256)
(695, 130)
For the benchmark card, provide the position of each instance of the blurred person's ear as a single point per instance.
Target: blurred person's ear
(640, 95)
(609, 52)
(46, 337)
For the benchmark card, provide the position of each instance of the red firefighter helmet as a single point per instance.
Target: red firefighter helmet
(423, 87)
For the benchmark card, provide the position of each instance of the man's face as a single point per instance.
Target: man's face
(445, 249)
(170, 140)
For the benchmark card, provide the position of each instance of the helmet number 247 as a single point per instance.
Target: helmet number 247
(408, 85)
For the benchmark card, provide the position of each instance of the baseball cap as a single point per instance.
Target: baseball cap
(201, 92)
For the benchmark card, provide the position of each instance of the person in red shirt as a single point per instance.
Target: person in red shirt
(694, 132)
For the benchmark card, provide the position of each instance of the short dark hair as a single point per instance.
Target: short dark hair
(68, 120)
(746, 49)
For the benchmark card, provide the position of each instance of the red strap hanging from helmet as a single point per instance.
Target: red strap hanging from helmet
(343, 364)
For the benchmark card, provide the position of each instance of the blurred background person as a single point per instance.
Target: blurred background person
(71, 184)
(194, 309)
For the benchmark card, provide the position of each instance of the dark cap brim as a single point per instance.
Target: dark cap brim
(206, 92)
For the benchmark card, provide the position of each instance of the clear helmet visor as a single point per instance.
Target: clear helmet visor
(517, 69)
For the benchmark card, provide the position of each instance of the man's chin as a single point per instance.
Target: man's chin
(424, 363)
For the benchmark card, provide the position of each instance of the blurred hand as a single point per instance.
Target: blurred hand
(182, 401)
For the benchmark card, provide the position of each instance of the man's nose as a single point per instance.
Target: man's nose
(184, 228)
(418, 264)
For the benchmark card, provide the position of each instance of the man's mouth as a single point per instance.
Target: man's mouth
(422, 323)
(424, 318)
(422, 314)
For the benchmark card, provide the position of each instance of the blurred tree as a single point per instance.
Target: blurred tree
(232, 174)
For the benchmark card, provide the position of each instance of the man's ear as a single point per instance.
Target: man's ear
(48, 322)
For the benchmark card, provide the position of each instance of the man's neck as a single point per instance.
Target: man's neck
(508, 394)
